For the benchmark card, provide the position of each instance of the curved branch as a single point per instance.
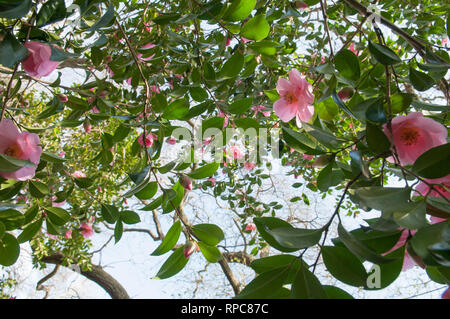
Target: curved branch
(97, 275)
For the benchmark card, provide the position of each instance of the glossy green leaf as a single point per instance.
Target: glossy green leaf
(38, 189)
(129, 217)
(173, 265)
(256, 28)
(232, 66)
(16, 10)
(118, 231)
(30, 231)
(205, 171)
(50, 12)
(420, 80)
(240, 106)
(211, 253)
(263, 223)
(239, 10)
(11, 164)
(295, 238)
(336, 293)
(169, 241)
(307, 286)
(434, 162)
(109, 213)
(9, 250)
(383, 54)
(265, 264)
(376, 139)
(210, 234)
(265, 285)
(346, 62)
(57, 215)
(105, 20)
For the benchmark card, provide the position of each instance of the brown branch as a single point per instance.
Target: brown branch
(97, 275)
(230, 276)
(40, 286)
(239, 257)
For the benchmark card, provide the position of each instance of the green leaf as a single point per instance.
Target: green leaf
(329, 176)
(38, 189)
(411, 216)
(336, 293)
(15, 10)
(109, 213)
(344, 266)
(2, 230)
(176, 110)
(400, 102)
(11, 52)
(29, 232)
(50, 12)
(346, 62)
(256, 28)
(210, 234)
(376, 139)
(263, 223)
(434, 162)
(375, 112)
(148, 191)
(104, 20)
(420, 81)
(213, 122)
(53, 229)
(359, 248)
(389, 272)
(383, 54)
(118, 231)
(121, 133)
(129, 217)
(382, 198)
(307, 286)
(211, 253)
(246, 123)
(198, 94)
(173, 265)
(266, 285)
(154, 204)
(425, 238)
(324, 137)
(9, 250)
(52, 158)
(240, 106)
(169, 241)
(84, 182)
(205, 171)
(265, 264)
(10, 164)
(239, 10)
(232, 67)
(137, 188)
(11, 219)
(266, 48)
(300, 142)
(57, 215)
(295, 238)
(174, 198)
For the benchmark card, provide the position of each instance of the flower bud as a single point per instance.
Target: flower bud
(346, 93)
(87, 126)
(186, 182)
(63, 98)
(189, 248)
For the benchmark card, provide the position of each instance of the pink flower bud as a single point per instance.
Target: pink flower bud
(87, 126)
(213, 181)
(172, 141)
(250, 227)
(68, 234)
(63, 98)
(189, 248)
(86, 230)
(186, 182)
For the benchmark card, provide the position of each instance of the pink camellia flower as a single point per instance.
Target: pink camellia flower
(87, 126)
(227, 43)
(307, 157)
(54, 237)
(249, 166)
(415, 134)
(86, 230)
(149, 139)
(148, 46)
(245, 40)
(345, 93)
(68, 234)
(38, 63)
(250, 227)
(172, 140)
(22, 145)
(95, 110)
(110, 72)
(435, 220)
(79, 174)
(235, 152)
(186, 182)
(154, 88)
(213, 181)
(129, 81)
(207, 141)
(444, 42)
(296, 98)
(189, 248)
(444, 189)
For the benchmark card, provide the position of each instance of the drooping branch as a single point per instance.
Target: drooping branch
(97, 275)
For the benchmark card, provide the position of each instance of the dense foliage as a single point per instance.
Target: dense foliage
(352, 95)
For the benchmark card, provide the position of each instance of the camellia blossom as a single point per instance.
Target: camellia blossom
(444, 189)
(222, 114)
(415, 134)
(408, 262)
(68, 234)
(235, 152)
(249, 166)
(38, 63)
(296, 98)
(86, 230)
(79, 174)
(186, 182)
(250, 227)
(352, 48)
(57, 204)
(213, 181)
(307, 157)
(149, 139)
(21, 145)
